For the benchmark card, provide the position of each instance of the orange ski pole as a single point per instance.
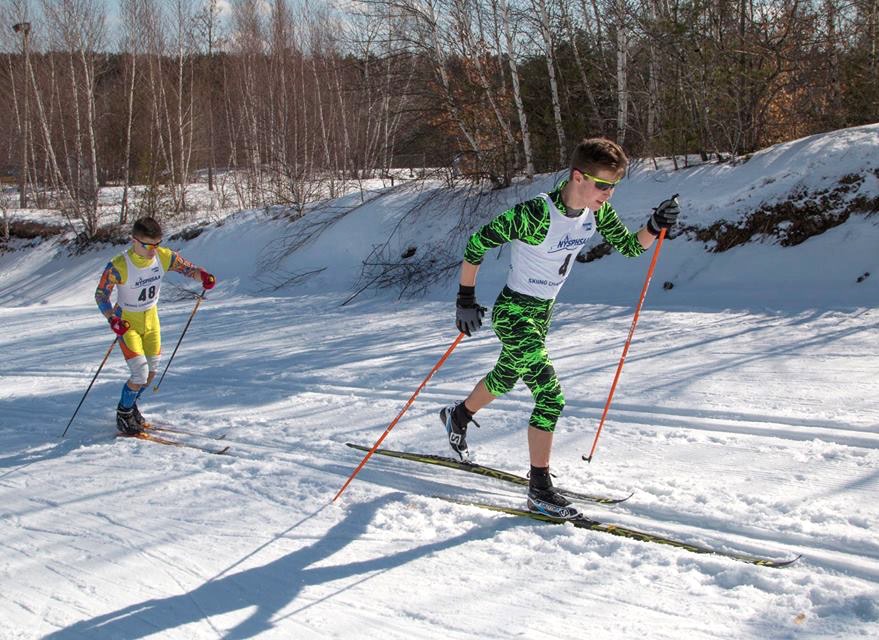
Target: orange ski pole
(628, 342)
(400, 415)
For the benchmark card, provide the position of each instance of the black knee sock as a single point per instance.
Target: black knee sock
(539, 478)
(462, 415)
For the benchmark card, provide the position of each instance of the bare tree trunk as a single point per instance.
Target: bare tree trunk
(57, 177)
(126, 180)
(77, 27)
(652, 80)
(4, 229)
(511, 53)
(499, 63)
(384, 155)
(56, 107)
(477, 52)
(622, 44)
(211, 132)
(595, 116)
(233, 127)
(594, 17)
(162, 160)
(131, 44)
(831, 52)
(544, 26)
(167, 124)
(344, 120)
(742, 91)
(378, 90)
(207, 20)
(158, 152)
(24, 128)
(250, 39)
(74, 172)
(874, 39)
(184, 100)
(439, 61)
(282, 35)
(88, 67)
(21, 120)
(324, 133)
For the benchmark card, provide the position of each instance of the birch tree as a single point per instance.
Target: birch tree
(132, 45)
(183, 97)
(473, 47)
(544, 26)
(207, 25)
(511, 53)
(248, 45)
(17, 13)
(622, 71)
(77, 27)
(652, 75)
(569, 23)
(431, 21)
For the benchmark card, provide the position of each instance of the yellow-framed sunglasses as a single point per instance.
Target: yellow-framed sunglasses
(601, 185)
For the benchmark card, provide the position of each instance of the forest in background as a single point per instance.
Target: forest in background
(297, 100)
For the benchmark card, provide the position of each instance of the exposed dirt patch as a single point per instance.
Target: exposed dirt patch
(30, 230)
(793, 221)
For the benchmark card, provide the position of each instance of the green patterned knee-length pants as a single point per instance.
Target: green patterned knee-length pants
(521, 323)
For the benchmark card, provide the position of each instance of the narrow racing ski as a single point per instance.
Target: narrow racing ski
(594, 525)
(479, 469)
(143, 435)
(161, 426)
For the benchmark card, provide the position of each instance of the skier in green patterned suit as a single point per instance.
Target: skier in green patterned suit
(546, 234)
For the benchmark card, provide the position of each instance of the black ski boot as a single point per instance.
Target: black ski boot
(126, 423)
(455, 419)
(543, 497)
(139, 420)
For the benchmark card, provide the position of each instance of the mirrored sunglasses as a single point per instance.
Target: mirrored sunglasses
(147, 245)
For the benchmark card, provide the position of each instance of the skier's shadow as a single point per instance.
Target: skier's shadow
(268, 588)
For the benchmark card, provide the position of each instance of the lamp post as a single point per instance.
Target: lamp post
(24, 28)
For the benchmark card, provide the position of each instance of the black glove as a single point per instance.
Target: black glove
(664, 216)
(468, 314)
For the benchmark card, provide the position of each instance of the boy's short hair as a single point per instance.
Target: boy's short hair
(594, 154)
(146, 227)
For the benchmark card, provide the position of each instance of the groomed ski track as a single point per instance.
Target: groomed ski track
(168, 538)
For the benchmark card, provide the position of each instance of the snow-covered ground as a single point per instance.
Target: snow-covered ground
(746, 418)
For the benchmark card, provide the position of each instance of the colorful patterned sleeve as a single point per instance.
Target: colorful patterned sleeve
(615, 232)
(109, 279)
(173, 261)
(527, 221)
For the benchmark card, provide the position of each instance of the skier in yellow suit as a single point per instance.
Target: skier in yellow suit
(137, 276)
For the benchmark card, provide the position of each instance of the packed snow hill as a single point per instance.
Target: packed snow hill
(745, 422)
